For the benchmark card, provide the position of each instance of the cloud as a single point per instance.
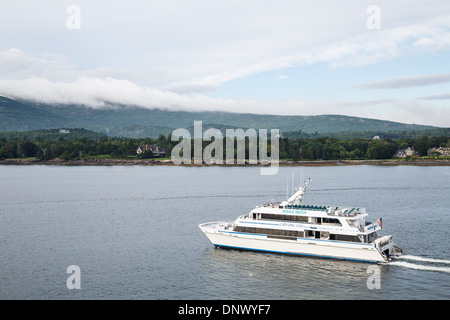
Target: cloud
(415, 111)
(341, 48)
(109, 92)
(155, 54)
(399, 110)
(16, 64)
(197, 45)
(407, 82)
(437, 97)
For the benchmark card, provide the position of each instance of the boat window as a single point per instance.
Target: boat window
(371, 236)
(277, 232)
(284, 217)
(331, 221)
(324, 235)
(256, 216)
(292, 234)
(343, 237)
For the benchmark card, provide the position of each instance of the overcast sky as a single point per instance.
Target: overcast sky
(388, 60)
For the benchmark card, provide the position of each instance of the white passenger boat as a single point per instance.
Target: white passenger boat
(292, 228)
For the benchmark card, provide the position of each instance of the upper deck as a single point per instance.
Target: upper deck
(350, 219)
(345, 218)
(349, 212)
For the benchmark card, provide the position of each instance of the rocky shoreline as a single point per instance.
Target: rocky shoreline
(153, 162)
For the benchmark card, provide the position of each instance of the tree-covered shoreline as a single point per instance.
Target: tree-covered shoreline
(84, 144)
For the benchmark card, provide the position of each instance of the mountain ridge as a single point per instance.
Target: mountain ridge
(133, 121)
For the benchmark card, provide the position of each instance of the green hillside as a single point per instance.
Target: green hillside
(18, 116)
(52, 134)
(132, 121)
(129, 116)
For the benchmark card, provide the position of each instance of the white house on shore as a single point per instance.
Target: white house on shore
(156, 150)
(444, 152)
(408, 152)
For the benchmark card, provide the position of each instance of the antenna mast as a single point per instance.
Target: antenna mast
(297, 197)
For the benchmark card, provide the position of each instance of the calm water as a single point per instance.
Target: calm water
(133, 231)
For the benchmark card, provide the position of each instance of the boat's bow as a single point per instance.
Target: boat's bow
(215, 226)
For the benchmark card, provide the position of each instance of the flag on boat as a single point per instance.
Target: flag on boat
(380, 223)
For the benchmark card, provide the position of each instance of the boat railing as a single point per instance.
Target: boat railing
(347, 212)
(331, 211)
(272, 204)
(307, 207)
(215, 225)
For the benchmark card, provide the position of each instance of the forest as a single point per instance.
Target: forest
(85, 144)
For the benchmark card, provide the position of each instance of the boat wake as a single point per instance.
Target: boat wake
(427, 264)
(423, 259)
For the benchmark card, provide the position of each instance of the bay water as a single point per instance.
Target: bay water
(133, 232)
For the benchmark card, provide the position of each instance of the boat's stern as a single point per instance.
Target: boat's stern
(387, 248)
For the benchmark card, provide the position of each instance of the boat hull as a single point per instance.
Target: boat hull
(300, 246)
